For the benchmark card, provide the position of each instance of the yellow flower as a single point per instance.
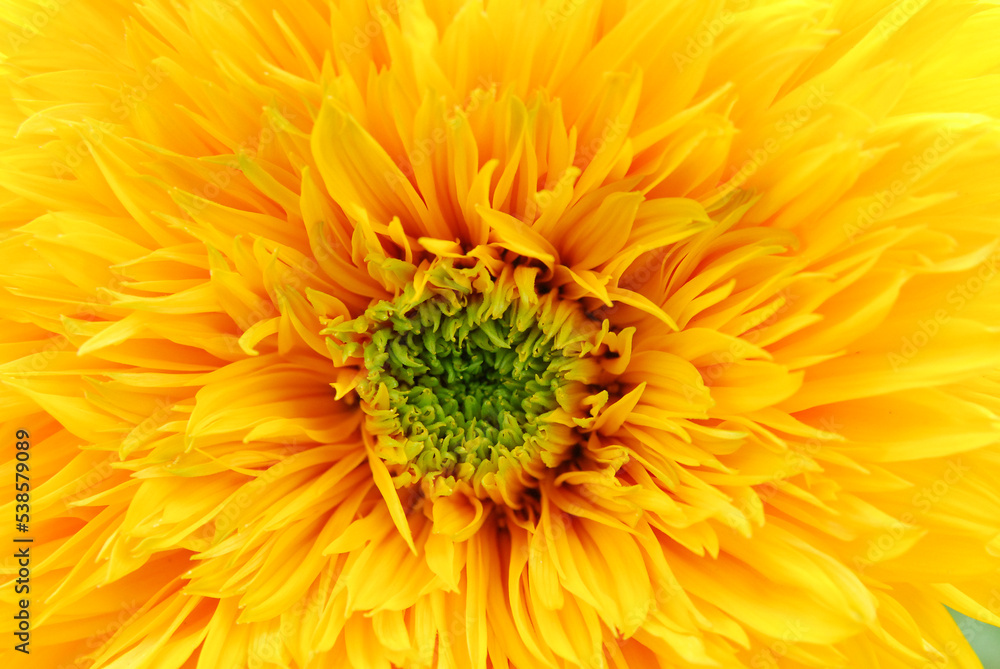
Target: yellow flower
(500, 333)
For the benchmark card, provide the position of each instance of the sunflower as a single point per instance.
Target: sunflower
(593, 334)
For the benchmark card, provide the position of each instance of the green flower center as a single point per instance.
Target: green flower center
(464, 390)
(470, 389)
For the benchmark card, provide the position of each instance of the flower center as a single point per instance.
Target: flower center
(465, 389)
(470, 389)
